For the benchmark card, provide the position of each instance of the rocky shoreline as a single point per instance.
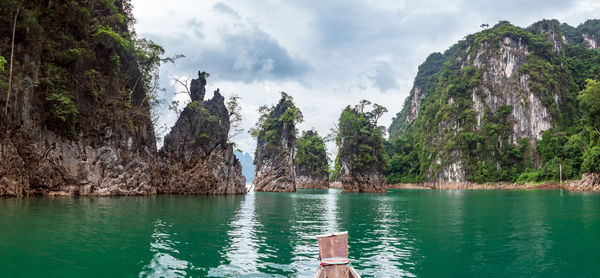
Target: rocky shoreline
(589, 182)
(472, 186)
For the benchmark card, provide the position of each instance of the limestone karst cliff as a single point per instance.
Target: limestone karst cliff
(76, 119)
(311, 166)
(477, 111)
(360, 160)
(196, 157)
(276, 141)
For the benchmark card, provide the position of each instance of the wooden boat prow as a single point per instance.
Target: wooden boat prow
(333, 248)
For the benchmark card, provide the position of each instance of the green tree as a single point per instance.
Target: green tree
(274, 119)
(311, 155)
(589, 100)
(93, 71)
(359, 139)
(591, 160)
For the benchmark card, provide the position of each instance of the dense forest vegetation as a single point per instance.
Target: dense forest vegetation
(360, 141)
(563, 79)
(311, 155)
(84, 61)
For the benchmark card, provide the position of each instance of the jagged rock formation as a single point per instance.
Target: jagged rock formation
(311, 165)
(77, 122)
(588, 182)
(478, 109)
(276, 141)
(196, 157)
(360, 159)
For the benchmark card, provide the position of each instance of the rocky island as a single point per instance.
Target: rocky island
(275, 134)
(360, 160)
(196, 157)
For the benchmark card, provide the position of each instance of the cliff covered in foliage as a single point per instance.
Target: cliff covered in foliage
(196, 157)
(76, 92)
(361, 156)
(311, 166)
(503, 104)
(275, 134)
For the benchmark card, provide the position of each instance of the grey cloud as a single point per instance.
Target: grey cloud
(253, 56)
(384, 77)
(222, 7)
(244, 57)
(516, 8)
(196, 27)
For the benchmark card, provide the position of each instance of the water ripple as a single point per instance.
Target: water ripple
(164, 263)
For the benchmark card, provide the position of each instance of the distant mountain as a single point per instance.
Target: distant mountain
(247, 165)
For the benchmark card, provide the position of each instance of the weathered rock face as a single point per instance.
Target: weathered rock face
(310, 182)
(71, 126)
(39, 162)
(274, 158)
(590, 42)
(116, 160)
(373, 183)
(196, 158)
(501, 72)
(588, 182)
(354, 180)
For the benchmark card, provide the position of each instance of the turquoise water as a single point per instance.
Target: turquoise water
(404, 233)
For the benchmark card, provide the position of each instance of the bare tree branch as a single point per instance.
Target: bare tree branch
(12, 53)
(183, 83)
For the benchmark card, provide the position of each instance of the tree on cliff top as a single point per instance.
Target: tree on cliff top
(274, 119)
(359, 139)
(311, 155)
(589, 100)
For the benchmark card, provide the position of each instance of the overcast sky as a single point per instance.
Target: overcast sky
(326, 54)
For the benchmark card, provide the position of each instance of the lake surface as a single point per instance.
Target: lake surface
(404, 233)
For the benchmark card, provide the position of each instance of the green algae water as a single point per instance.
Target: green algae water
(404, 233)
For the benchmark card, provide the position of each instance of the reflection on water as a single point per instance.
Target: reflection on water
(164, 263)
(242, 254)
(404, 233)
(378, 237)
